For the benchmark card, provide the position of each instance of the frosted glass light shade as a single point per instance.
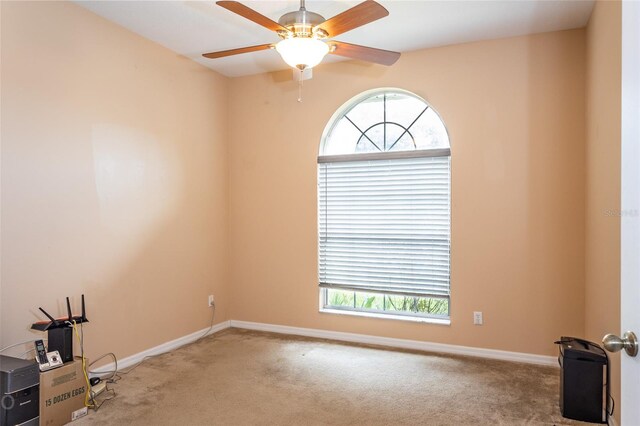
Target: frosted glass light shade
(302, 52)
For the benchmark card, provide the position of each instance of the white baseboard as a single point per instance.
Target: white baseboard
(400, 343)
(334, 335)
(162, 348)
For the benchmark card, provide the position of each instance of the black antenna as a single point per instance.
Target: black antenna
(84, 314)
(69, 310)
(53, 320)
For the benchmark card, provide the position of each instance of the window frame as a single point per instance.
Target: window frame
(325, 306)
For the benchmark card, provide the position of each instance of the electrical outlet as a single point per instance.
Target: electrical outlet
(211, 301)
(477, 318)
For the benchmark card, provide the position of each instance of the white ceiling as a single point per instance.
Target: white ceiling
(191, 28)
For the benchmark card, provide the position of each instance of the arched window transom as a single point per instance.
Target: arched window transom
(385, 121)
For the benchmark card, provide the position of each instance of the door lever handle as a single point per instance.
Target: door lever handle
(628, 342)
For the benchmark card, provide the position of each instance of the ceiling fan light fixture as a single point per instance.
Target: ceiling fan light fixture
(302, 52)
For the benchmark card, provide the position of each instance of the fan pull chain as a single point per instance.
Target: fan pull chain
(300, 86)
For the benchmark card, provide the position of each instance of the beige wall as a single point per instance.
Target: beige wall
(514, 109)
(114, 180)
(602, 236)
(116, 183)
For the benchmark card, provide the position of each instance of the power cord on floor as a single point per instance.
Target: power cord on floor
(213, 313)
(112, 379)
(112, 393)
(116, 372)
(88, 399)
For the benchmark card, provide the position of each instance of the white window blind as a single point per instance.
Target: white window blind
(384, 225)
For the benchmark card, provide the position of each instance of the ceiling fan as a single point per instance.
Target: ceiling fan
(305, 36)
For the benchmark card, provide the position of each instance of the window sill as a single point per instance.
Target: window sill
(426, 320)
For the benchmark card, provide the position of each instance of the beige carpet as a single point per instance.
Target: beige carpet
(240, 377)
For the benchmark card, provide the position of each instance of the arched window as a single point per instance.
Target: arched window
(384, 208)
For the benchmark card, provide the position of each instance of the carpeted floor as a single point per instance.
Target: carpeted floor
(240, 377)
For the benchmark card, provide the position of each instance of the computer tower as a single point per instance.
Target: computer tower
(20, 388)
(61, 340)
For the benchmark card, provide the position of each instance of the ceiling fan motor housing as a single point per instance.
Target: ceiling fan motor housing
(301, 24)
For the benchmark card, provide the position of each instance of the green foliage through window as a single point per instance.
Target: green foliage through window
(386, 303)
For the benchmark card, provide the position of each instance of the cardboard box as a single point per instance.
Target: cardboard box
(62, 393)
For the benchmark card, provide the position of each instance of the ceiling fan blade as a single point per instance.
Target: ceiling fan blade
(369, 54)
(252, 15)
(355, 17)
(223, 53)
